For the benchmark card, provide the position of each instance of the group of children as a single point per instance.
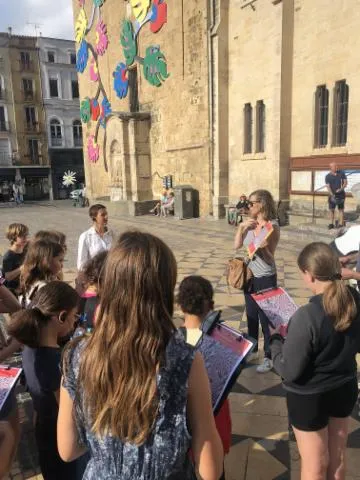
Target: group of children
(49, 312)
(32, 271)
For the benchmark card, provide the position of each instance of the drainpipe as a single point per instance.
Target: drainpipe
(212, 32)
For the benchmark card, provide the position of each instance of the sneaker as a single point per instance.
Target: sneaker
(331, 226)
(265, 367)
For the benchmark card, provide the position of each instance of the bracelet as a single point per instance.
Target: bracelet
(277, 336)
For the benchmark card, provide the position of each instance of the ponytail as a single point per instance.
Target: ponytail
(323, 264)
(49, 300)
(25, 326)
(339, 304)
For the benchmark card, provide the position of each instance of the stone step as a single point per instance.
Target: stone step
(308, 232)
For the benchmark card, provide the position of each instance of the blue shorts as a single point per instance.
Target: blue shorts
(338, 202)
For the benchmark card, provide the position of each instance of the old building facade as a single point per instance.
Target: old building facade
(62, 110)
(23, 141)
(8, 140)
(225, 95)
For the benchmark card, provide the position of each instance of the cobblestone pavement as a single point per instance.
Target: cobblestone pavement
(261, 447)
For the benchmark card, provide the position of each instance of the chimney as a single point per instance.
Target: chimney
(10, 31)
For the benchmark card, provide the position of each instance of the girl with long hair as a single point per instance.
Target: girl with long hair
(43, 263)
(261, 210)
(318, 366)
(133, 391)
(51, 315)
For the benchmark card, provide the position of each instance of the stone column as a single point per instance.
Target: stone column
(219, 68)
(133, 160)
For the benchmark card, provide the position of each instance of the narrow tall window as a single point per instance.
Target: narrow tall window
(55, 133)
(73, 58)
(341, 108)
(2, 89)
(51, 57)
(321, 116)
(30, 116)
(54, 90)
(25, 60)
(33, 145)
(28, 88)
(75, 88)
(247, 128)
(133, 90)
(3, 124)
(77, 133)
(260, 126)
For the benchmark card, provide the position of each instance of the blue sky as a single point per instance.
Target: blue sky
(55, 17)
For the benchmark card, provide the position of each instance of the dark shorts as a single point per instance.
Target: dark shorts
(338, 202)
(311, 413)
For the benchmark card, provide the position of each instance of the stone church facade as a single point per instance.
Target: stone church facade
(224, 95)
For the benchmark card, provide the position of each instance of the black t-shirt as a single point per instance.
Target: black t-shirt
(336, 181)
(12, 261)
(42, 372)
(242, 204)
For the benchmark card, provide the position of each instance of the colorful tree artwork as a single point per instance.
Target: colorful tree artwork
(153, 64)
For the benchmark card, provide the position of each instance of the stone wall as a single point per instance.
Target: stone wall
(178, 142)
(255, 49)
(326, 45)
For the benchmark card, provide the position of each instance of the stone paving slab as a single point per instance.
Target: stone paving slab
(261, 446)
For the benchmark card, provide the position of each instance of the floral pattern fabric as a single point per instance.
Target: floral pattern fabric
(164, 456)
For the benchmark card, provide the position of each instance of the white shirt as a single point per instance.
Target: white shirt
(91, 243)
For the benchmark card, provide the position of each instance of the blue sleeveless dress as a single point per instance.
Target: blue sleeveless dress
(164, 455)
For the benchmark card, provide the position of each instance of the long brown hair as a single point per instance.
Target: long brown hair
(37, 263)
(54, 297)
(322, 263)
(121, 359)
(52, 236)
(266, 200)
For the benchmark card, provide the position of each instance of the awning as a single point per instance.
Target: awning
(35, 172)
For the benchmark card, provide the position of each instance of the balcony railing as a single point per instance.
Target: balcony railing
(31, 127)
(4, 126)
(34, 158)
(5, 159)
(78, 142)
(26, 66)
(56, 141)
(28, 95)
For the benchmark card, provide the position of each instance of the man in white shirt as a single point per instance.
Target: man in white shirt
(97, 239)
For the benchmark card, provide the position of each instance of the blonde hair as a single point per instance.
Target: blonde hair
(266, 200)
(322, 263)
(119, 364)
(15, 230)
